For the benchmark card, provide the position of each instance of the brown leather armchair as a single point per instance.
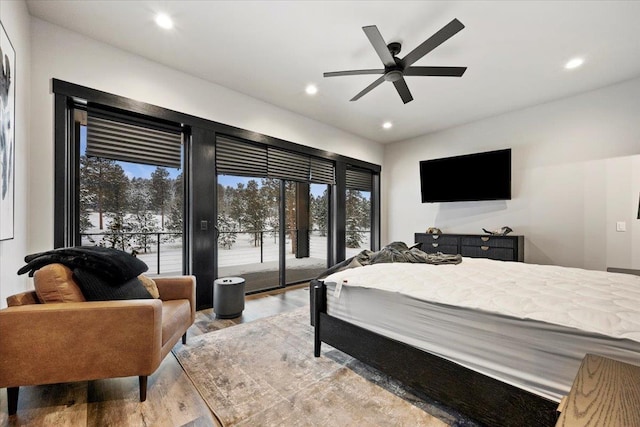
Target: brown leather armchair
(80, 341)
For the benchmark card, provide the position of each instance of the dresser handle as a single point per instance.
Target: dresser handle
(435, 236)
(485, 238)
(435, 245)
(484, 248)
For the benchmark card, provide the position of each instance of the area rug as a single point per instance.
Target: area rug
(263, 373)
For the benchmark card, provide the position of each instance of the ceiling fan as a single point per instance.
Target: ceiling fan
(395, 68)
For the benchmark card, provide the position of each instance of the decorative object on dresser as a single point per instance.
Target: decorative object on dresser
(500, 247)
(503, 231)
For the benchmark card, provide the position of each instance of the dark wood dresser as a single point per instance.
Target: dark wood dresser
(504, 248)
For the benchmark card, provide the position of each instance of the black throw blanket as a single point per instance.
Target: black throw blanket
(114, 265)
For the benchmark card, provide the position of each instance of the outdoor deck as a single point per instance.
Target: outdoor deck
(258, 265)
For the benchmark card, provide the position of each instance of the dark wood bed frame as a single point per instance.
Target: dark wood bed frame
(477, 396)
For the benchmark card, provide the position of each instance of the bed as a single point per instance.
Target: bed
(498, 341)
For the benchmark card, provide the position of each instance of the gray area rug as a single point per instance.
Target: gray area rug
(263, 373)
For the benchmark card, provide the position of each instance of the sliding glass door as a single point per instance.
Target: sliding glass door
(271, 232)
(248, 230)
(358, 220)
(306, 214)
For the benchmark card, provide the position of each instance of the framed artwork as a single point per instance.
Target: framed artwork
(7, 134)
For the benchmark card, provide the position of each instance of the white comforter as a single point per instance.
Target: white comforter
(592, 301)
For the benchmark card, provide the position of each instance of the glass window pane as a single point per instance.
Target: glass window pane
(248, 230)
(133, 207)
(307, 224)
(358, 221)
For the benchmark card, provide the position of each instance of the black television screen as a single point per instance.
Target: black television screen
(472, 177)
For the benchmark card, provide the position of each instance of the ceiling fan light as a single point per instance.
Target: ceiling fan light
(311, 89)
(574, 63)
(393, 76)
(164, 21)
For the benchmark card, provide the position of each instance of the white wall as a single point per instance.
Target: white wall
(15, 19)
(59, 53)
(572, 178)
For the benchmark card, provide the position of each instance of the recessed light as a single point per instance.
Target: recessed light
(387, 125)
(574, 63)
(163, 20)
(311, 89)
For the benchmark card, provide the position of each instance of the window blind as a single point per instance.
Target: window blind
(359, 179)
(287, 165)
(322, 172)
(235, 157)
(242, 158)
(111, 137)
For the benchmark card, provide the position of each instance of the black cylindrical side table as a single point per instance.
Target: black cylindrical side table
(228, 297)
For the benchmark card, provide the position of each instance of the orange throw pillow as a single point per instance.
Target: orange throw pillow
(150, 285)
(54, 283)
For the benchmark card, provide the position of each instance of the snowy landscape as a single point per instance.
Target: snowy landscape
(242, 257)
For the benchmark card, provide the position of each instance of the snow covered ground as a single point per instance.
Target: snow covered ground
(243, 257)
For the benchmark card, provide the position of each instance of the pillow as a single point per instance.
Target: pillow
(150, 285)
(98, 288)
(55, 283)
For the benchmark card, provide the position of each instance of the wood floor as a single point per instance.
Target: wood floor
(172, 399)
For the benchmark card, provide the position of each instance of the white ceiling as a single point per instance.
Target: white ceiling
(270, 50)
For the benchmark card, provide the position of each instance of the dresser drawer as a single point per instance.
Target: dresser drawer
(428, 239)
(491, 241)
(485, 251)
(504, 248)
(433, 247)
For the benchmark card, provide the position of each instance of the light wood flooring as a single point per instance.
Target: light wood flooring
(172, 400)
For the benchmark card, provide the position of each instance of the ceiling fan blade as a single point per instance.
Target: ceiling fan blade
(403, 90)
(368, 89)
(353, 72)
(379, 45)
(435, 71)
(432, 42)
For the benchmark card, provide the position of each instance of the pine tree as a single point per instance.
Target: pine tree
(87, 203)
(175, 220)
(118, 233)
(256, 213)
(357, 218)
(236, 204)
(354, 236)
(290, 214)
(106, 181)
(142, 223)
(228, 234)
(270, 193)
(320, 212)
(138, 196)
(160, 191)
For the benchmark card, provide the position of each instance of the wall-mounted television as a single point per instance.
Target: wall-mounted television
(471, 177)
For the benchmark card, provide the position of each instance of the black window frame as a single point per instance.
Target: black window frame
(199, 178)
